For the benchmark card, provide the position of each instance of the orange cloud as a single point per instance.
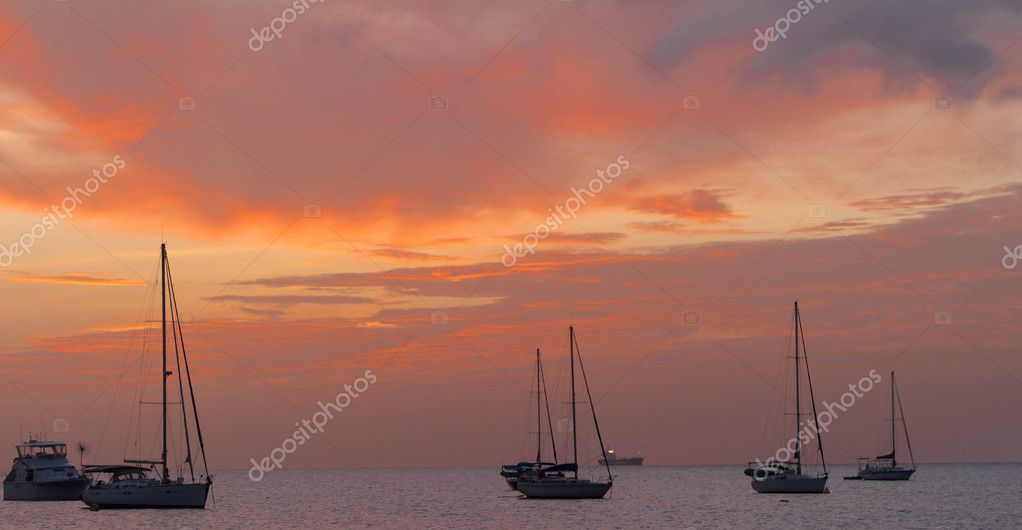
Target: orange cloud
(701, 206)
(75, 279)
(408, 255)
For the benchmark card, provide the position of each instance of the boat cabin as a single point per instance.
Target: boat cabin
(118, 474)
(41, 462)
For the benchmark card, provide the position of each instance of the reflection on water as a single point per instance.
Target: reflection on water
(951, 495)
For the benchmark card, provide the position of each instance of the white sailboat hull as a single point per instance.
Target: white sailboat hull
(791, 484)
(564, 489)
(153, 495)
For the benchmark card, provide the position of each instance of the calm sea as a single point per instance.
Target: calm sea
(939, 496)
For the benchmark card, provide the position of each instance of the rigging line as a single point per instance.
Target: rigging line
(904, 425)
(176, 332)
(135, 414)
(152, 448)
(779, 380)
(560, 377)
(781, 401)
(523, 448)
(809, 376)
(775, 419)
(550, 421)
(191, 388)
(124, 368)
(592, 406)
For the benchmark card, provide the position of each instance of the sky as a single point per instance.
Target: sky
(433, 190)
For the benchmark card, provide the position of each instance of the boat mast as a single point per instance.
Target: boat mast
(798, 401)
(163, 288)
(574, 432)
(539, 415)
(894, 446)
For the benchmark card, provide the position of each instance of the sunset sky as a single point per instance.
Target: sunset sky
(341, 199)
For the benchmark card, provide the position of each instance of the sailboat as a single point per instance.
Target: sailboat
(789, 475)
(554, 482)
(512, 472)
(133, 484)
(886, 467)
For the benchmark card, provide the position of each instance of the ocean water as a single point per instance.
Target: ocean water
(938, 496)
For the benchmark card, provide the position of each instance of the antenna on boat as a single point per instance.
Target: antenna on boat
(81, 454)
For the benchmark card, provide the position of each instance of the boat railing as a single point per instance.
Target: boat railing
(880, 463)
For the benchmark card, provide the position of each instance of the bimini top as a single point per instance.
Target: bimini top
(561, 468)
(34, 443)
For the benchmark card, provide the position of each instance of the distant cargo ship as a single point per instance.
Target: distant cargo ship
(615, 460)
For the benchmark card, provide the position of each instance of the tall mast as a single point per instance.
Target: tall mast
(894, 446)
(539, 415)
(574, 431)
(798, 401)
(163, 288)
